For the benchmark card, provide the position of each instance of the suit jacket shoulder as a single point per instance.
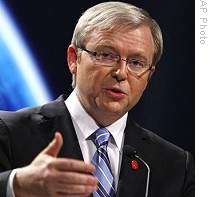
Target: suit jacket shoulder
(24, 133)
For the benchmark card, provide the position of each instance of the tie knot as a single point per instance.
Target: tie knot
(100, 137)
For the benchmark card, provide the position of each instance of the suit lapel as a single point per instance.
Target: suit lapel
(133, 182)
(55, 117)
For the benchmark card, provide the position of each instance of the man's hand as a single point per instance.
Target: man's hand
(48, 175)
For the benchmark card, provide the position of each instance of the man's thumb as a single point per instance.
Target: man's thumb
(54, 146)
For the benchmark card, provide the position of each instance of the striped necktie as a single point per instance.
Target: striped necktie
(101, 161)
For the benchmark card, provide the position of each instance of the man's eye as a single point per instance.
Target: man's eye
(137, 63)
(106, 55)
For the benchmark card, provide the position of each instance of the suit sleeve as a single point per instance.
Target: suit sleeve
(189, 187)
(5, 158)
(4, 177)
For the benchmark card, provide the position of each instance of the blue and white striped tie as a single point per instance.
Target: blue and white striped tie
(106, 185)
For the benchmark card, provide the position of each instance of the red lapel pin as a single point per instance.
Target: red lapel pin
(134, 164)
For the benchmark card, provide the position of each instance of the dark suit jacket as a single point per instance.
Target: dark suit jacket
(24, 133)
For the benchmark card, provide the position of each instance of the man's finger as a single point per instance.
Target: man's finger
(54, 146)
(69, 165)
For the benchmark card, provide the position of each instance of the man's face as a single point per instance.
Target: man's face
(107, 93)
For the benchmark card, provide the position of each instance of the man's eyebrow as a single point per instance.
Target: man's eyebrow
(106, 45)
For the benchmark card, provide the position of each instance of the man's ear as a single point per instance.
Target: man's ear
(72, 59)
(151, 72)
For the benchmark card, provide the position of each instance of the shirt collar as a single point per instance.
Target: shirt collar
(85, 124)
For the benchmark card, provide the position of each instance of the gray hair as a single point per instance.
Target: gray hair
(107, 15)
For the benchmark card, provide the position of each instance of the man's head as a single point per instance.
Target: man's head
(115, 48)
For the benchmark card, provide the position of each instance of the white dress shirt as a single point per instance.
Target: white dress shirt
(84, 126)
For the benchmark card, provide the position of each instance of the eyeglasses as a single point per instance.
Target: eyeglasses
(105, 58)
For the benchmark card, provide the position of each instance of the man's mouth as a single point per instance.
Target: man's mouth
(115, 93)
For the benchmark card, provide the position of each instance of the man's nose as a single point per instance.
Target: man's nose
(120, 71)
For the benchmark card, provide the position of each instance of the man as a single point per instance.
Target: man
(49, 150)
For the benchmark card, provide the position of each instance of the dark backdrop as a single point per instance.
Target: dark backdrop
(168, 105)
